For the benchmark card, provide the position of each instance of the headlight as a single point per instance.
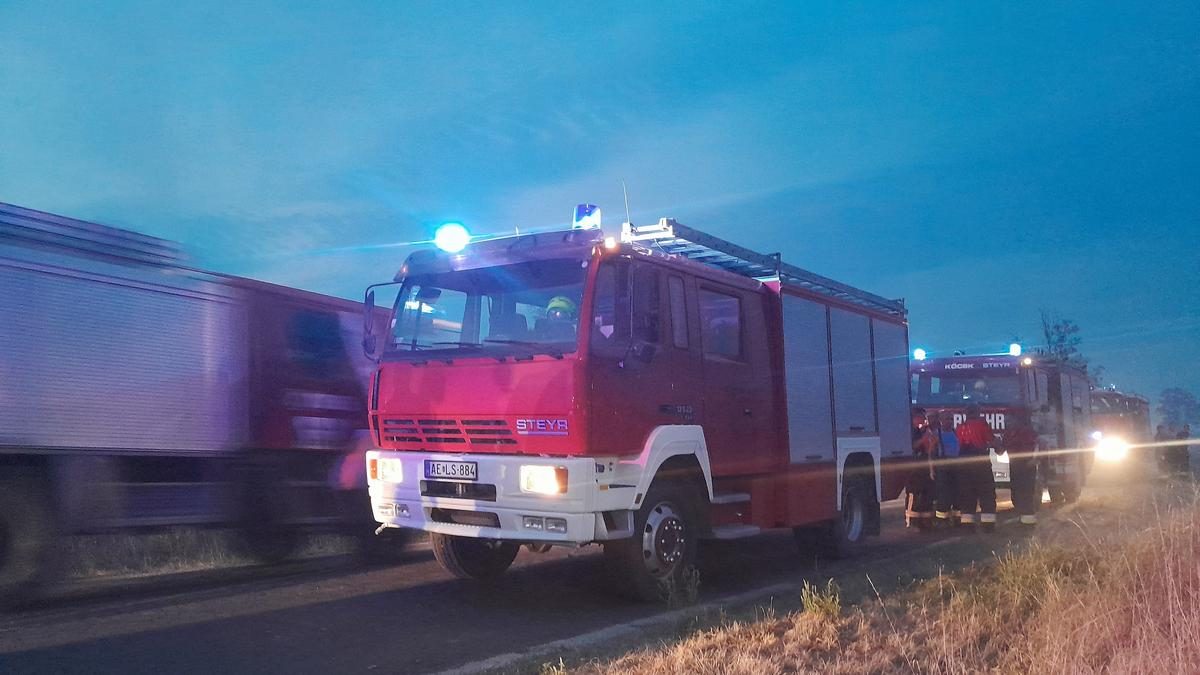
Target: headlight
(391, 470)
(543, 480)
(1112, 449)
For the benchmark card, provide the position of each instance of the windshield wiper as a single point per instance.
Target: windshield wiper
(556, 353)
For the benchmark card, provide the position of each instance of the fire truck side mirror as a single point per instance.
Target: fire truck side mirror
(369, 342)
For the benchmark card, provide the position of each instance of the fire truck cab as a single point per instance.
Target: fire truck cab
(1126, 416)
(1057, 398)
(564, 388)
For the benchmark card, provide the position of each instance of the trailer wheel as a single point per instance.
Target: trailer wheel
(470, 558)
(270, 545)
(647, 565)
(26, 533)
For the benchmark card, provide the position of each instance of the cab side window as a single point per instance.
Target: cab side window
(646, 308)
(721, 323)
(679, 324)
(610, 309)
(604, 304)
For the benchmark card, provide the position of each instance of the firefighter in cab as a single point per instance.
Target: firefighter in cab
(920, 485)
(977, 487)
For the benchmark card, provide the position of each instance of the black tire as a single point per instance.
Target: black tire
(470, 558)
(1072, 491)
(850, 529)
(266, 503)
(26, 535)
(270, 545)
(666, 528)
(845, 535)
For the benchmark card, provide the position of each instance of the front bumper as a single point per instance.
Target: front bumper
(406, 503)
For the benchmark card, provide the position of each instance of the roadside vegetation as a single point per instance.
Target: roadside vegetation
(181, 549)
(1096, 589)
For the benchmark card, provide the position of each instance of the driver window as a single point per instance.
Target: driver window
(646, 308)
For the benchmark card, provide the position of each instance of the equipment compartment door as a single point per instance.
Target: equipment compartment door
(806, 365)
(739, 406)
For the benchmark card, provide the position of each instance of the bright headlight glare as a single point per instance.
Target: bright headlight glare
(543, 480)
(391, 470)
(1112, 449)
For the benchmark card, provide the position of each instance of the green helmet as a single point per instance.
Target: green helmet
(560, 306)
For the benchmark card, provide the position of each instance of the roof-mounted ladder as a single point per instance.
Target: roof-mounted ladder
(672, 238)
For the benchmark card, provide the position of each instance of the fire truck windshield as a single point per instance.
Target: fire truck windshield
(958, 389)
(505, 310)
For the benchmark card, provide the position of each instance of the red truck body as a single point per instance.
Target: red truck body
(763, 393)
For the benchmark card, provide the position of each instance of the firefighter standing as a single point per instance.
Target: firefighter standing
(976, 485)
(920, 478)
(946, 473)
(1021, 444)
(1162, 451)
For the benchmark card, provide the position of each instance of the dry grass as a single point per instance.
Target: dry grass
(173, 550)
(1095, 591)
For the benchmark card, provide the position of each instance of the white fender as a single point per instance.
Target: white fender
(663, 443)
(855, 444)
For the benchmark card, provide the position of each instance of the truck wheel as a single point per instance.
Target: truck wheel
(645, 566)
(845, 535)
(26, 532)
(469, 558)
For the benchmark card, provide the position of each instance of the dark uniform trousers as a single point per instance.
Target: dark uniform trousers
(1023, 474)
(946, 488)
(976, 486)
(920, 493)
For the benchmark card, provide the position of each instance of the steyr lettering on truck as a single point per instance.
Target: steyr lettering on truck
(540, 426)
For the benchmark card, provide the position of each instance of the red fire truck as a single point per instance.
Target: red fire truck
(1126, 416)
(1056, 397)
(564, 388)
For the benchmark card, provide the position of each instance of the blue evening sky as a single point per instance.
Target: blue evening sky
(981, 160)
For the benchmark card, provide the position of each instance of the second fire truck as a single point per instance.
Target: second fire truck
(568, 388)
(1056, 396)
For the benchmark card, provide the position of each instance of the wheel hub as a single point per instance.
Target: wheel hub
(664, 539)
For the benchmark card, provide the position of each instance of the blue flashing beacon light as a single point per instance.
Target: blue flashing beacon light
(919, 354)
(451, 237)
(587, 216)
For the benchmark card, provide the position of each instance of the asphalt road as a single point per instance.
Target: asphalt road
(328, 616)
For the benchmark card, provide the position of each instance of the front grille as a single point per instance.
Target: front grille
(418, 432)
(445, 488)
(458, 517)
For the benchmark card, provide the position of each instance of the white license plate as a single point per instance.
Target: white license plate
(452, 470)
